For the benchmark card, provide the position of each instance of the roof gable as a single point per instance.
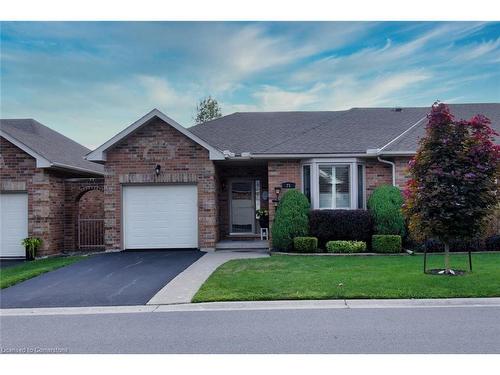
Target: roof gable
(99, 154)
(50, 148)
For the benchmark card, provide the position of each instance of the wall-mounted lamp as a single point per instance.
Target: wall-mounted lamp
(157, 169)
(277, 191)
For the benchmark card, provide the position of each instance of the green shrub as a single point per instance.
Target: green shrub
(386, 243)
(291, 220)
(305, 244)
(345, 246)
(385, 206)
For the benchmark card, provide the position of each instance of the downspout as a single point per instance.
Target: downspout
(393, 168)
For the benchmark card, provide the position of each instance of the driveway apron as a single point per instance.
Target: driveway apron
(124, 278)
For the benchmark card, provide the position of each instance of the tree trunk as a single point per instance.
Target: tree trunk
(446, 257)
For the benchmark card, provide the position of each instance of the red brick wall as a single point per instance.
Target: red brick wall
(181, 159)
(91, 205)
(378, 173)
(227, 172)
(401, 170)
(280, 171)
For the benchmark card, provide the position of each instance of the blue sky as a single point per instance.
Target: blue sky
(88, 80)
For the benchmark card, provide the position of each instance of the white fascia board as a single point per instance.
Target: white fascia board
(99, 154)
(79, 169)
(41, 162)
(397, 153)
(305, 156)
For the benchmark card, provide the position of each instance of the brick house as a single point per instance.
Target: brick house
(157, 184)
(45, 186)
(166, 186)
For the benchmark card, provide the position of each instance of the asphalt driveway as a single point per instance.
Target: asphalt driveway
(124, 278)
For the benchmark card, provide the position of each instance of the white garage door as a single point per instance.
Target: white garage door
(13, 224)
(160, 217)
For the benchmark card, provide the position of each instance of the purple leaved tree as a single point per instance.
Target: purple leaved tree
(453, 179)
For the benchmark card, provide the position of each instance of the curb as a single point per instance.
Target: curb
(261, 305)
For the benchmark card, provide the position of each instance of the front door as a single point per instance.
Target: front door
(242, 207)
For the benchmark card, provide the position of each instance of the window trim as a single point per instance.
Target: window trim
(353, 180)
(302, 180)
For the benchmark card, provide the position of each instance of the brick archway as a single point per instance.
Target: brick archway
(84, 201)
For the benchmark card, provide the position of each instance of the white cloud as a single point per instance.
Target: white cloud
(342, 93)
(275, 99)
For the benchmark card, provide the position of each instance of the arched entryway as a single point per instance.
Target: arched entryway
(90, 220)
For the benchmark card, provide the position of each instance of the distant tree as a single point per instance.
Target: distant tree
(452, 186)
(208, 109)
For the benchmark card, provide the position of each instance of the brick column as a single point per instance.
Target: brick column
(280, 171)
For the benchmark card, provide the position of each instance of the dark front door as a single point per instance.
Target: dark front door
(242, 206)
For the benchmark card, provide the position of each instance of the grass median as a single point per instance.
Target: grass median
(292, 277)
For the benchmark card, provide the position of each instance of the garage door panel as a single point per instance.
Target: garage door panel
(160, 216)
(13, 224)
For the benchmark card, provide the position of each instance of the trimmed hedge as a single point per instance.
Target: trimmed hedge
(305, 244)
(331, 225)
(345, 246)
(386, 243)
(291, 220)
(385, 206)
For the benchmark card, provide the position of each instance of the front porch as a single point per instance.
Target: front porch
(242, 190)
(243, 187)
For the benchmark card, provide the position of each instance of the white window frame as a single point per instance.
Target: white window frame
(353, 180)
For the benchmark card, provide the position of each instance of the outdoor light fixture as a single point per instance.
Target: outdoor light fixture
(157, 169)
(277, 191)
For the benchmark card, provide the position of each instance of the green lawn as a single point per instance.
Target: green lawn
(15, 274)
(330, 277)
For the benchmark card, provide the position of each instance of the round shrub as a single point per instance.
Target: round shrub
(291, 220)
(305, 244)
(385, 205)
(386, 243)
(345, 246)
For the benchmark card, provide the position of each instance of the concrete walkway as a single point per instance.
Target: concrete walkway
(185, 285)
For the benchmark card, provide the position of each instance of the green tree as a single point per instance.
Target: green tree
(207, 109)
(452, 187)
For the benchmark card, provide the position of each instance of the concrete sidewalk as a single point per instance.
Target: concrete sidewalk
(185, 285)
(265, 305)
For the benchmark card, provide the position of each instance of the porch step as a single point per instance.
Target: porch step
(234, 245)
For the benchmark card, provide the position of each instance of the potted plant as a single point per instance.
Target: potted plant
(31, 244)
(263, 216)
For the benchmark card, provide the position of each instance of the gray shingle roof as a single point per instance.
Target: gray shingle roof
(409, 141)
(53, 146)
(352, 131)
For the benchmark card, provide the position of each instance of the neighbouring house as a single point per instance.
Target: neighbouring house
(162, 185)
(46, 185)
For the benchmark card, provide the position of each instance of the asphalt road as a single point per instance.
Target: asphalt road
(109, 279)
(367, 330)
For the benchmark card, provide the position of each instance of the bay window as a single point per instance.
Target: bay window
(334, 186)
(334, 183)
